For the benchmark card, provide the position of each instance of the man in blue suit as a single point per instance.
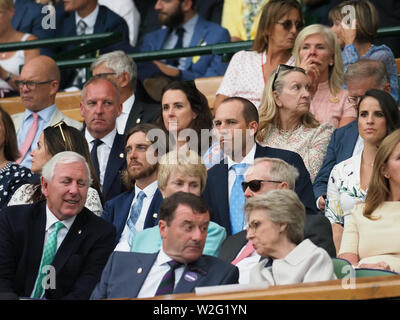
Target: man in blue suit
(100, 108)
(141, 178)
(183, 28)
(179, 266)
(346, 142)
(236, 122)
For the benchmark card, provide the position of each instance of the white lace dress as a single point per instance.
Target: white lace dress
(24, 193)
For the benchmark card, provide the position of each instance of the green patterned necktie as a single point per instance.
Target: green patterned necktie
(48, 255)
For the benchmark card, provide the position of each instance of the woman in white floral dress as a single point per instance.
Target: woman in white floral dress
(53, 140)
(348, 183)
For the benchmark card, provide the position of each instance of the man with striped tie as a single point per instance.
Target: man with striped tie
(179, 266)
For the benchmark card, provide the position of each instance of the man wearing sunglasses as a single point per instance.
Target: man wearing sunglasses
(265, 175)
(236, 124)
(38, 85)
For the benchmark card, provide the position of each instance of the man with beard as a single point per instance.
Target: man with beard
(137, 209)
(184, 28)
(100, 107)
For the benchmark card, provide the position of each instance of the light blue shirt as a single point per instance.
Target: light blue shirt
(43, 121)
(187, 38)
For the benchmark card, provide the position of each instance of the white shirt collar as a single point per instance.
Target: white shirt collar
(108, 139)
(90, 20)
(127, 105)
(51, 219)
(150, 190)
(249, 158)
(162, 257)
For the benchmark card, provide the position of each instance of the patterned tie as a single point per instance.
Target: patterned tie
(95, 159)
(179, 44)
(167, 283)
(236, 201)
(81, 76)
(134, 215)
(48, 255)
(81, 27)
(29, 138)
(247, 251)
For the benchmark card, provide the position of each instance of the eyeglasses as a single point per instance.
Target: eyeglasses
(353, 100)
(60, 125)
(31, 85)
(255, 185)
(105, 74)
(288, 24)
(285, 67)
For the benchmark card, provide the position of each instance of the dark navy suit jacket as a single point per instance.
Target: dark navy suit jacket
(207, 66)
(121, 276)
(340, 148)
(117, 210)
(142, 112)
(78, 262)
(216, 190)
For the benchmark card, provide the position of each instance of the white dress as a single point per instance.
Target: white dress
(24, 193)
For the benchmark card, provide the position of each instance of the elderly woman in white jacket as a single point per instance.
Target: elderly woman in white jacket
(276, 228)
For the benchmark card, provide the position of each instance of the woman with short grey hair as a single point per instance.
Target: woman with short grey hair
(276, 228)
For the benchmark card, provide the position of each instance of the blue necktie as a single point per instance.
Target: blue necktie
(179, 44)
(134, 215)
(236, 201)
(95, 159)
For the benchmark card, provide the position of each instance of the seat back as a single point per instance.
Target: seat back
(342, 268)
(366, 272)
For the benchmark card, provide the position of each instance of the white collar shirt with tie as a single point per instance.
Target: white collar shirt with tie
(90, 20)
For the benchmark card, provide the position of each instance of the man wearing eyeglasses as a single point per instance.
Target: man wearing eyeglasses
(38, 84)
(265, 175)
(236, 124)
(346, 142)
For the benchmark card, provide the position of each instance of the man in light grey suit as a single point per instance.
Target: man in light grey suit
(183, 224)
(38, 84)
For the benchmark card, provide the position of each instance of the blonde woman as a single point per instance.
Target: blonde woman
(286, 121)
(318, 52)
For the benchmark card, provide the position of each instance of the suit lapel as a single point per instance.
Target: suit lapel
(123, 211)
(36, 241)
(115, 162)
(19, 14)
(152, 213)
(220, 180)
(100, 21)
(198, 38)
(56, 117)
(352, 136)
(144, 264)
(135, 116)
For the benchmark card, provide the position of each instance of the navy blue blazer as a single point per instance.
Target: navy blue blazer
(205, 32)
(216, 190)
(142, 112)
(78, 262)
(121, 277)
(117, 210)
(340, 148)
(112, 184)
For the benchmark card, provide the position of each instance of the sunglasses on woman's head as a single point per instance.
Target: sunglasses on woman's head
(282, 67)
(255, 185)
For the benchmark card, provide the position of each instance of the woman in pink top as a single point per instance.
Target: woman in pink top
(318, 52)
(280, 22)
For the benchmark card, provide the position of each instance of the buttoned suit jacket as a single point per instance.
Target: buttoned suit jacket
(340, 148)
(125, 273)
(78, 262)
(142, 112)
(317, 228)
(207, 66)
(116, 211)
(56, 117)
(216, 192)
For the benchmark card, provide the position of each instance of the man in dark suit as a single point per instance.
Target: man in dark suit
(143, 196)
(55, 249)
(183, 225)
(100, 107)
(268, 174)
(121, 68)
(236, 123)
(346, 142)
(184, 28)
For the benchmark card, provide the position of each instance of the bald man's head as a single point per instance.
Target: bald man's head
(44, 77)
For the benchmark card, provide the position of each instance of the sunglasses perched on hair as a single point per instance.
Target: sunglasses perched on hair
(255, 185)
(60, 125)
(288, 24)
(283, 67)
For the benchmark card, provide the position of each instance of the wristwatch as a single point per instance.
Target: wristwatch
(8, 77)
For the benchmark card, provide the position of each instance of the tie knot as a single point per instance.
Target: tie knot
(240, 168)
(180, 31)
(174, 264)
(81, 27)
(35, 115)
(58, 225)
(141, 195)
(97, 142)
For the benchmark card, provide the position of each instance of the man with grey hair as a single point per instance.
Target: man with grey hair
(62, 247)
(121, 68)
(346, 142)
(265, 175)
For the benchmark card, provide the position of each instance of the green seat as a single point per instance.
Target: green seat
(365, 272)
(342, 268)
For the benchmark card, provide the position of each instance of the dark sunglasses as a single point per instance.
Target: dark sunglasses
(288, 24)
(285, 67)
(255, 185)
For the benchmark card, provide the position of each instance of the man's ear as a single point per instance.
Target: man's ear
(186, 5)
(253, 126)
(45, 186)
(283, 185)
(387, 87)
(162, 225)
(124, 80)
